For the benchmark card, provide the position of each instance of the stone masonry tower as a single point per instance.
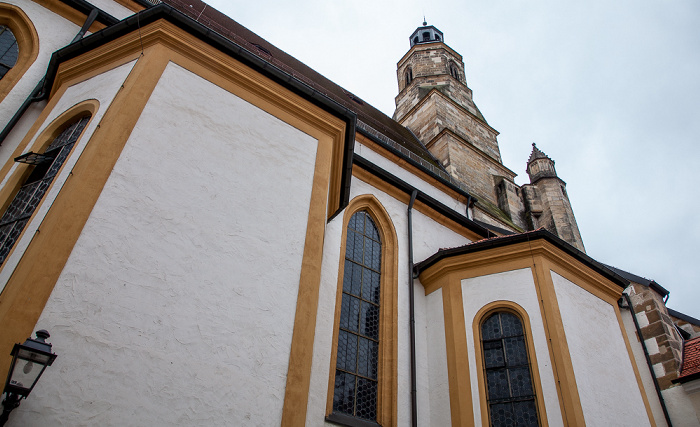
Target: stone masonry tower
(546, 200)
(436, 104)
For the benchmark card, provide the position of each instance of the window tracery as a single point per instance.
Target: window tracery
(509, 384)
(356, 377)
(9, 51)
(30, 194)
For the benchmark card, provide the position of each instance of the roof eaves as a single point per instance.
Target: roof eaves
(527, 236)
(172, 15)
(684, 317)
(421, 196)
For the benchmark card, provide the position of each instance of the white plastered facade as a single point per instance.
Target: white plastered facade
(182, 279)
(102, 88)
(430, 359)
(516, 286)
(604, 373)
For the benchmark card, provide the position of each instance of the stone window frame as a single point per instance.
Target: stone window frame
(27, 42)
(387, 404)
(481, 316)
(22, 172)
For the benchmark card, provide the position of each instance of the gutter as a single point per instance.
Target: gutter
(39, 91)
(646, 355)
(434, 204)
(411, 311)
(500, 241)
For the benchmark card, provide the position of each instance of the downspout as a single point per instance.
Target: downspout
(411, 311)
(646, 355)
(39, 92)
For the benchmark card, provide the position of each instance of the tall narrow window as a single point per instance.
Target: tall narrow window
(32, 191)
(356, 374)
(9, 52)
(510, 391)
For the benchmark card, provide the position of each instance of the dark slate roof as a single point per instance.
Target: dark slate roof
(501, 241)
(537, 154)
(367, 115)
(685, 317)
(641, 280)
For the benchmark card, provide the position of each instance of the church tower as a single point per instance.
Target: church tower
(436, 104)
(546, 199)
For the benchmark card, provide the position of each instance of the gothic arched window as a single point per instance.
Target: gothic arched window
(357, 363)
(46, 166)
(9, 52)
(409, 76)
(509, 384)
(454, 71)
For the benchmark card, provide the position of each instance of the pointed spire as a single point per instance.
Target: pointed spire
(537, 154)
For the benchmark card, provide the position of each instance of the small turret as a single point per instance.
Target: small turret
(547, 203)
(539, 165)
(426, 34)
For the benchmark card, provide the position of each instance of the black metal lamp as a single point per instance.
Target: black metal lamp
(29, 360)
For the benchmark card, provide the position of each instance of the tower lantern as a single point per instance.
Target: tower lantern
(426, 34)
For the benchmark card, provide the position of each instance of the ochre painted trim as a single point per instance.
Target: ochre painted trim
(29, 287)
(22, 172)
(542, 257)
(202, 59)
(27, 43)
(387, 405)
(637, 375)
(69, 13)
(572, 411)
(299, 372)
(521, 313)
(28, 290)
(461, 405)
(562, 263)
(421, 207)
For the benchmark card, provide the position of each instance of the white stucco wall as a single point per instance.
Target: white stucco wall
(428, 238)
(177, 304)
(410, 178)
(683, 407)
(517, 286)
(113, 8)
(607, 385)
(54, 33)
(440, 414)
(102, 88)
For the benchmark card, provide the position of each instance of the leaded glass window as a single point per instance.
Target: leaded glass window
(355, 392)
(30, 194)
(510, 393)
(9, 52)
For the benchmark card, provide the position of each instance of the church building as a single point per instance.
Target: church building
(213, 233)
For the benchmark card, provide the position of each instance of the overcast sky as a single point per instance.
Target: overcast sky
(609, 90)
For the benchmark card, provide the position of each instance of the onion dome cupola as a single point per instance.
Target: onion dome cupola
(426, 34)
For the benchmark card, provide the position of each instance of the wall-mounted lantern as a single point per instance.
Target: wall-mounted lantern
(29, 360)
